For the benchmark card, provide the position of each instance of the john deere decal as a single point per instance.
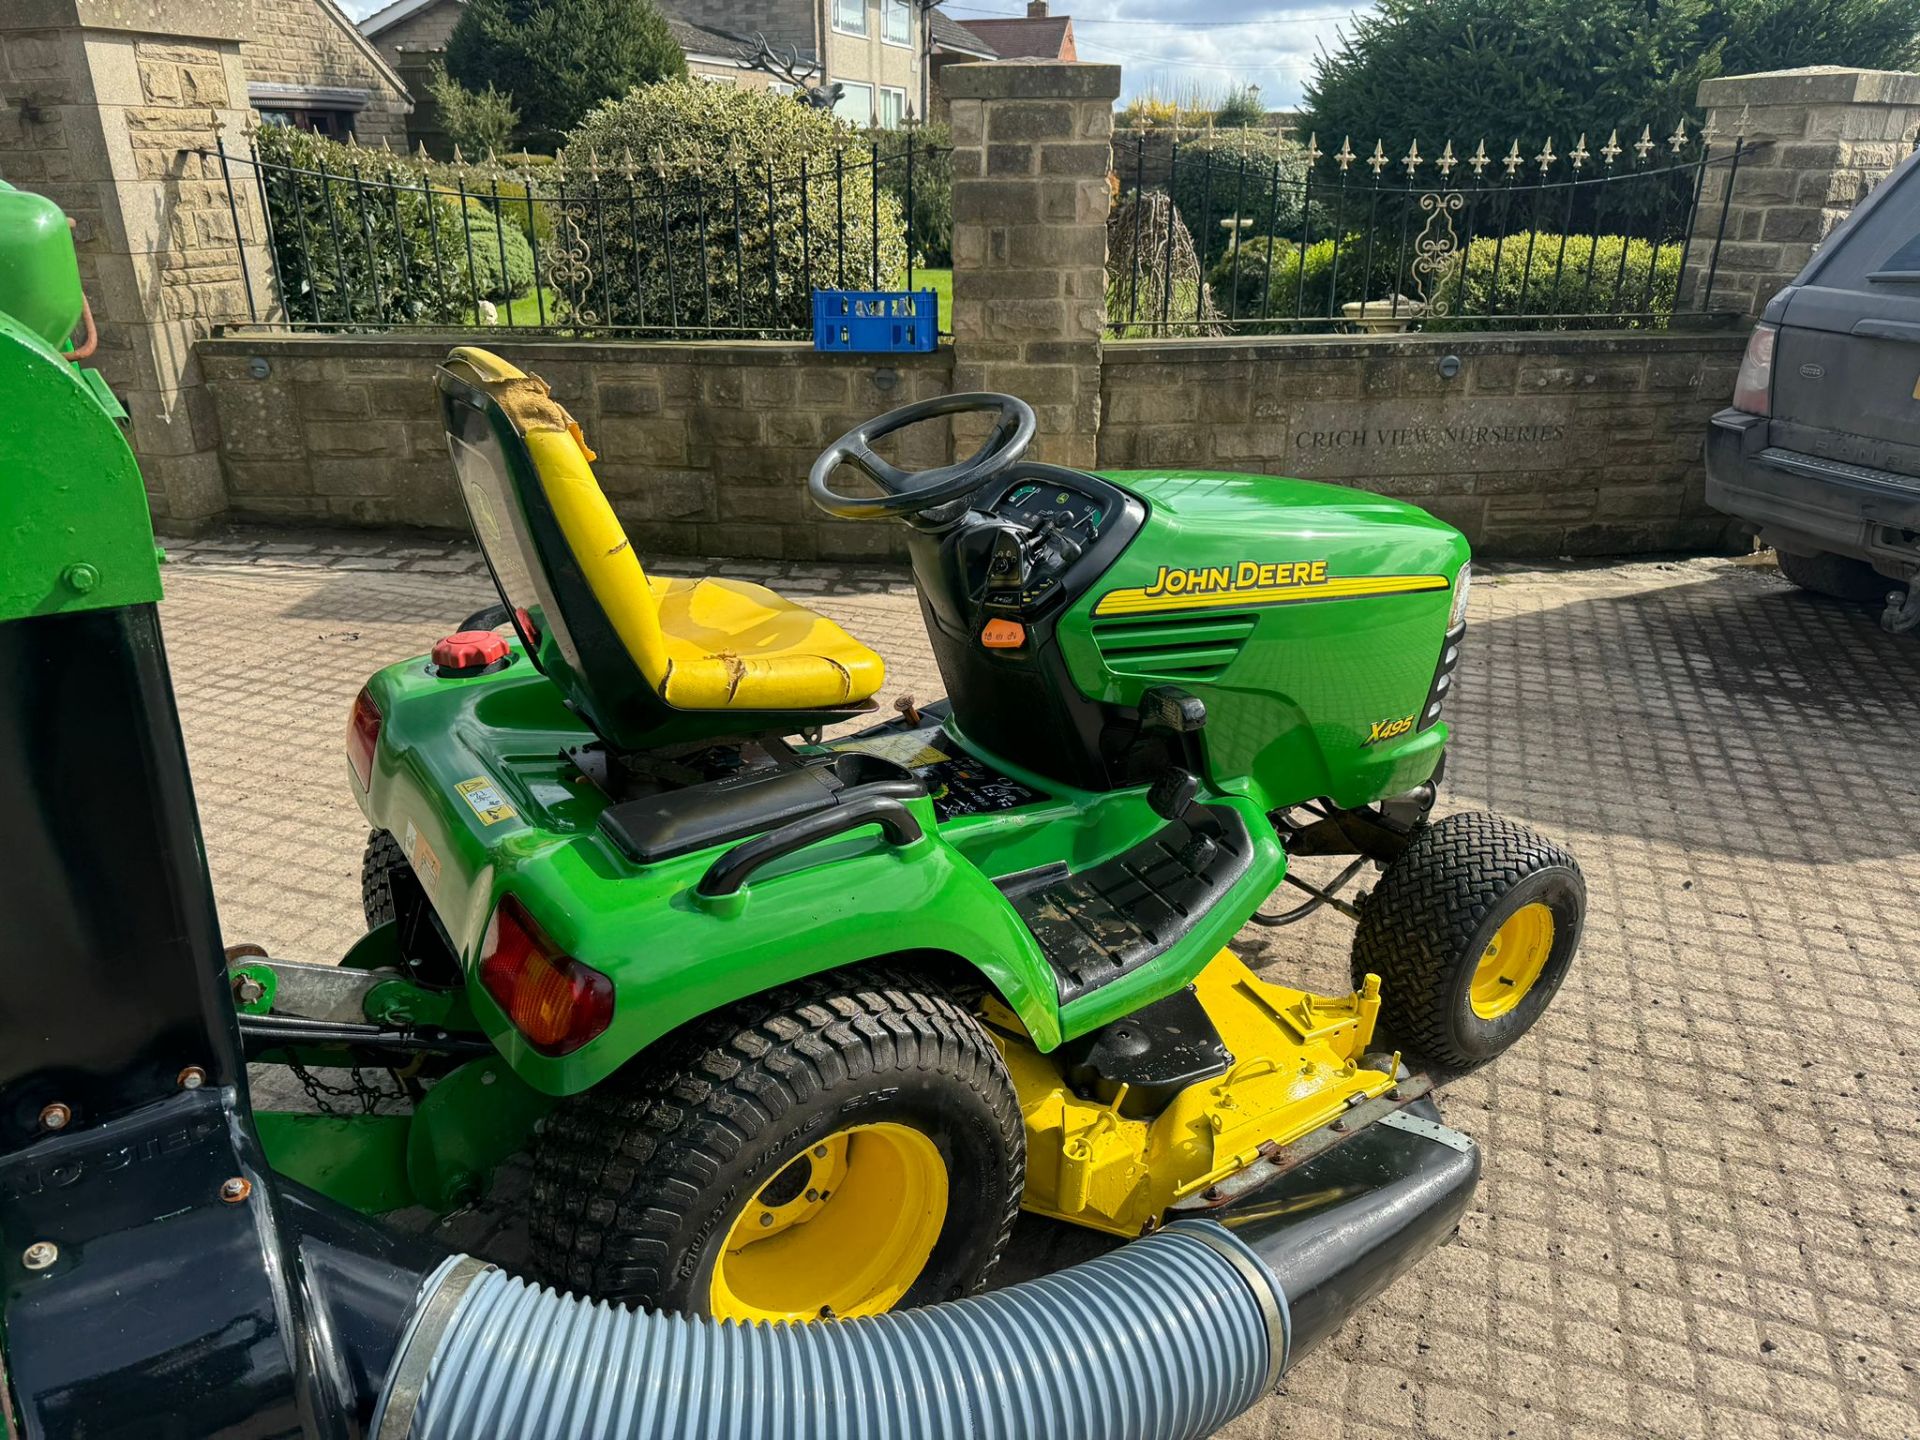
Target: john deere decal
(1254, 582)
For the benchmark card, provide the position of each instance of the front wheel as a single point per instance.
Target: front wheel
(1471, 930)
(839, 1147)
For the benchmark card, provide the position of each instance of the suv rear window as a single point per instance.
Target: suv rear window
(1884, 247)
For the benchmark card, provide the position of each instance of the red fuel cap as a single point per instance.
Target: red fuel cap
(469, 652)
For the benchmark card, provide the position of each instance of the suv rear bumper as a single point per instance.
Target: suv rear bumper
(1809, 505)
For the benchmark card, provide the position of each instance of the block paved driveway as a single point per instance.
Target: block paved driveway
(1698, 1216)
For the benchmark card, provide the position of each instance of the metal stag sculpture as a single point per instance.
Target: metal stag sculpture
(786, 64)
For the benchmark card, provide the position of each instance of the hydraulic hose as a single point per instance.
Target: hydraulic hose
(1163, 1339)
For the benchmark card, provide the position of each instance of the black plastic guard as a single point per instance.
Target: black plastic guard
(1338, 1229)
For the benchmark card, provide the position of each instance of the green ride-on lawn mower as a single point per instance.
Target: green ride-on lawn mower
(794, 1026)
(792, 1029)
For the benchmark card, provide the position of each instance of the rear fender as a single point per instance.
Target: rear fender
(673, 957)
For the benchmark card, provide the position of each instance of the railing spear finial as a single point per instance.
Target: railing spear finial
(1678, 139)
(1313, 150)
(1346, 156)
(1579, 155)
(1611, 150)
(1644, 144)
(1378, 160)
(1513, 159)
(1546, 157)
(1480, 159)
(1412, 158)
(1446, 162)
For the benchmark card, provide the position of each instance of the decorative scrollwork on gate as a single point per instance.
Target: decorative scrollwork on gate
(1434, 249)
(571, 268)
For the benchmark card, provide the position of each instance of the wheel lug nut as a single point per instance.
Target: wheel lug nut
(235, 1190)
(40, 1254)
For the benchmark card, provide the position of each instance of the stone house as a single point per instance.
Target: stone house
(880, 52)
(412, 35)
(309, 65)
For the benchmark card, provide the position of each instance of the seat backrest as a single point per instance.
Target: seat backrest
(558, 554)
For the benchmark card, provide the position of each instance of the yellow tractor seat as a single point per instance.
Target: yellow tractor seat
(634, 654)
(731, 643)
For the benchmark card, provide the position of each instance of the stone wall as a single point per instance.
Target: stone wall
(1551, 444)
(313, 43)
(1812, 143)
(704, 448)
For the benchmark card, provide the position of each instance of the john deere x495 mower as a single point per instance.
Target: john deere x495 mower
(795, 1025)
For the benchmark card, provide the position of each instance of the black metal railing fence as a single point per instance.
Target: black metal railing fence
(1214, 235)
(363, 239)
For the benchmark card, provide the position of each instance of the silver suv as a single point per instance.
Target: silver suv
(1820, 452)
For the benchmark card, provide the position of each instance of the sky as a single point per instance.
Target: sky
(1170, 47)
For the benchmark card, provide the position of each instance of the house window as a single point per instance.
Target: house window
(893, 107)
(855, 105)
(850, 16)
(333, 124)
(899, 21)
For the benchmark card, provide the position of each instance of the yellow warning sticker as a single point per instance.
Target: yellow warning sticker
(483, 797)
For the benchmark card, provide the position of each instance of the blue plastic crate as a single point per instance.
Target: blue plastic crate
(875, 322)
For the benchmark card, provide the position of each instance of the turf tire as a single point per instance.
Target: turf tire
(379, 863)
(637, 1181)
(1431, 917)
(1840, 577)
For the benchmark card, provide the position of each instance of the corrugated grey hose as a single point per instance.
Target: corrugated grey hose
(1166, 1338)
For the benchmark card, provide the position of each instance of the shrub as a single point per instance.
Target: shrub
(350, 254)
(664, 249)
(491, 239)
(1540, 280)
(1241, 110)
(557, 59)
(1253, 173)
(1321, 288)
(930, 231)
(391, 250)
(479, 122)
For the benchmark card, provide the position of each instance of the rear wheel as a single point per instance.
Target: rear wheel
(839, 1147)
(1471, 930)
(380, 863)
(1839, 576)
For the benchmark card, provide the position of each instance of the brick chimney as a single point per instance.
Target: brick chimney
(1036, 9)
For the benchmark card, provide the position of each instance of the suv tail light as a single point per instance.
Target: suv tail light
(363, 736)
(552, 999)
(1753, 390)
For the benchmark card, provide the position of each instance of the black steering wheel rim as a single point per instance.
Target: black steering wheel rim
(908, 492)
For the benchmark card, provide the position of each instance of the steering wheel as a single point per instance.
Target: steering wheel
(908, 492)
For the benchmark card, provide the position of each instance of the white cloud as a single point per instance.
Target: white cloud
(1172, 47)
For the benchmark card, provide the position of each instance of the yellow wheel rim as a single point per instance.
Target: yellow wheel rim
(843, 1229)
(1512, 962)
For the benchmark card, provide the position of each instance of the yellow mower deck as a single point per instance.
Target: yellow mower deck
(1295, 1069)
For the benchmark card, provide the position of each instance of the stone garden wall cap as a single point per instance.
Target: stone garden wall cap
(1031, 79)
(1812, 85)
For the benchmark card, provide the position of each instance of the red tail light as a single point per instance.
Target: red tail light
(552, 999)
(1753, 389)
(363, 736)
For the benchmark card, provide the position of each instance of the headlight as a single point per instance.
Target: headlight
(1460, 587)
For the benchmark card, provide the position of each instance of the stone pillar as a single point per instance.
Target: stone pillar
(103, 103)
(1816, 140)
(1032, 149)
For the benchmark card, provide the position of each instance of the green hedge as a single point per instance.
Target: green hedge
(491, 239)
(1543, 280)
(364, 238)
(1313, 278)
(931, 230)
(665, 249)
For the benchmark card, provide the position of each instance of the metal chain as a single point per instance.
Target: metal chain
(367, 1097)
